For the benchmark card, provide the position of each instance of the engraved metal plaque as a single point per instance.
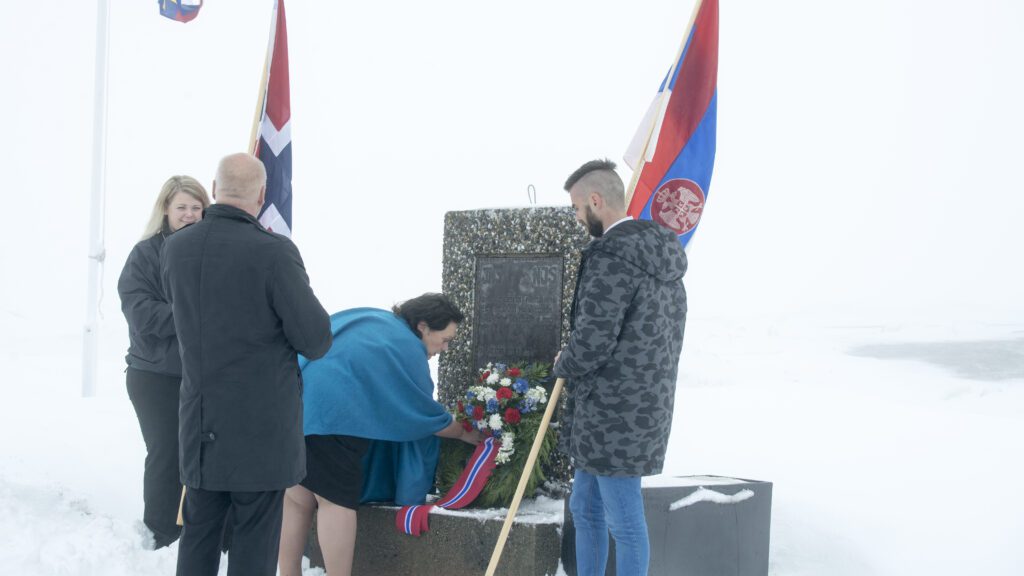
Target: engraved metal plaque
(518, 309)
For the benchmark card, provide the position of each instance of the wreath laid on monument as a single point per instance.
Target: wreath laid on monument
(506, 402)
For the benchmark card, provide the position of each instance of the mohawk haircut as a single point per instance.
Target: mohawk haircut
(587, 168)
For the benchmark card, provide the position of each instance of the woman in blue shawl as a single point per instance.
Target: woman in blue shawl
(369, 406)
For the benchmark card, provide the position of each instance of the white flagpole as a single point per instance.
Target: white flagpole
(97, 251)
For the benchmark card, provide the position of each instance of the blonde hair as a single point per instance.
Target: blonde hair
(187, 184)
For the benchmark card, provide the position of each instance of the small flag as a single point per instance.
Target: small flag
(673, 151)
(273, 142)
(180, 10)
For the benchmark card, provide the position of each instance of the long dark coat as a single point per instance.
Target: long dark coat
(242, 309)
(622, 358)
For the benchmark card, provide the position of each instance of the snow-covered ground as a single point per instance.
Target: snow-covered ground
(892, 448)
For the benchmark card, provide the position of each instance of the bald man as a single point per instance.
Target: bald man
(243, 309)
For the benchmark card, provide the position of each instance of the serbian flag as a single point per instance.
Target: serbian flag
(180, 10)
(673, 152)
(272, 142)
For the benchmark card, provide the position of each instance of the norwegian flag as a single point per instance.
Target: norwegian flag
(273, 143)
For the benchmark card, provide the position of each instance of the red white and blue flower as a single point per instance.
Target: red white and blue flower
(498, 403)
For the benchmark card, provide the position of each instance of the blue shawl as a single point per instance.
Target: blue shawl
(375, 383)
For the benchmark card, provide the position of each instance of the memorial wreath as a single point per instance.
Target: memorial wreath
(505, 402)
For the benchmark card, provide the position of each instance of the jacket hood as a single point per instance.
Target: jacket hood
(648, 246)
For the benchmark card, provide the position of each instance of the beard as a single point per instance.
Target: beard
(594, 226)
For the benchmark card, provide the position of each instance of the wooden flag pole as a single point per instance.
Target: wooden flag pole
(262, 93)
(525, 477)
(656, 125)
(181, 507)
(640, 168)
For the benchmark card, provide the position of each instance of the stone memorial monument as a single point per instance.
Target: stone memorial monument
(512, 272)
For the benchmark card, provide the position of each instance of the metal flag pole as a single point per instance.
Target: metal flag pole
(97, 251)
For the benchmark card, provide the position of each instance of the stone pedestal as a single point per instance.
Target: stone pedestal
(722, 530)
(457, 543)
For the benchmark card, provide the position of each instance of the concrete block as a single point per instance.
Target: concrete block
(693, 535)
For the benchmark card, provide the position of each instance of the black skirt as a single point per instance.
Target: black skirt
(334, 468)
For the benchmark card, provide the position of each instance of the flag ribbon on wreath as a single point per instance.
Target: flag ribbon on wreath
(413, 519)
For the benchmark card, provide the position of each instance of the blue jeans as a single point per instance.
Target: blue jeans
(600, 503)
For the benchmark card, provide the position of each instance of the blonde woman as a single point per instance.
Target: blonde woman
(154, 364)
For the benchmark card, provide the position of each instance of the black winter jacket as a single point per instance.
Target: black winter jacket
(152, 343)
(243, 309)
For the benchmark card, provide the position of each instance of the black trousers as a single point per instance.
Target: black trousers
(256, 518)
(155, 398)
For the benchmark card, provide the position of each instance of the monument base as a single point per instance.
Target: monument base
(459, 542)
(697, 525)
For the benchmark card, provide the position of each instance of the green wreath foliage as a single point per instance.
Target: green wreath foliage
(501, 487)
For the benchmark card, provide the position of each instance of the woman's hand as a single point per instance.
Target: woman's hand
(473, 437)
(455, 430)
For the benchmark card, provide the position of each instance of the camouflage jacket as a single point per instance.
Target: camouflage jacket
(622, 358)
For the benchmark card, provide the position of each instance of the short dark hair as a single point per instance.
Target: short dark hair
(433, 308)
(587, 168)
